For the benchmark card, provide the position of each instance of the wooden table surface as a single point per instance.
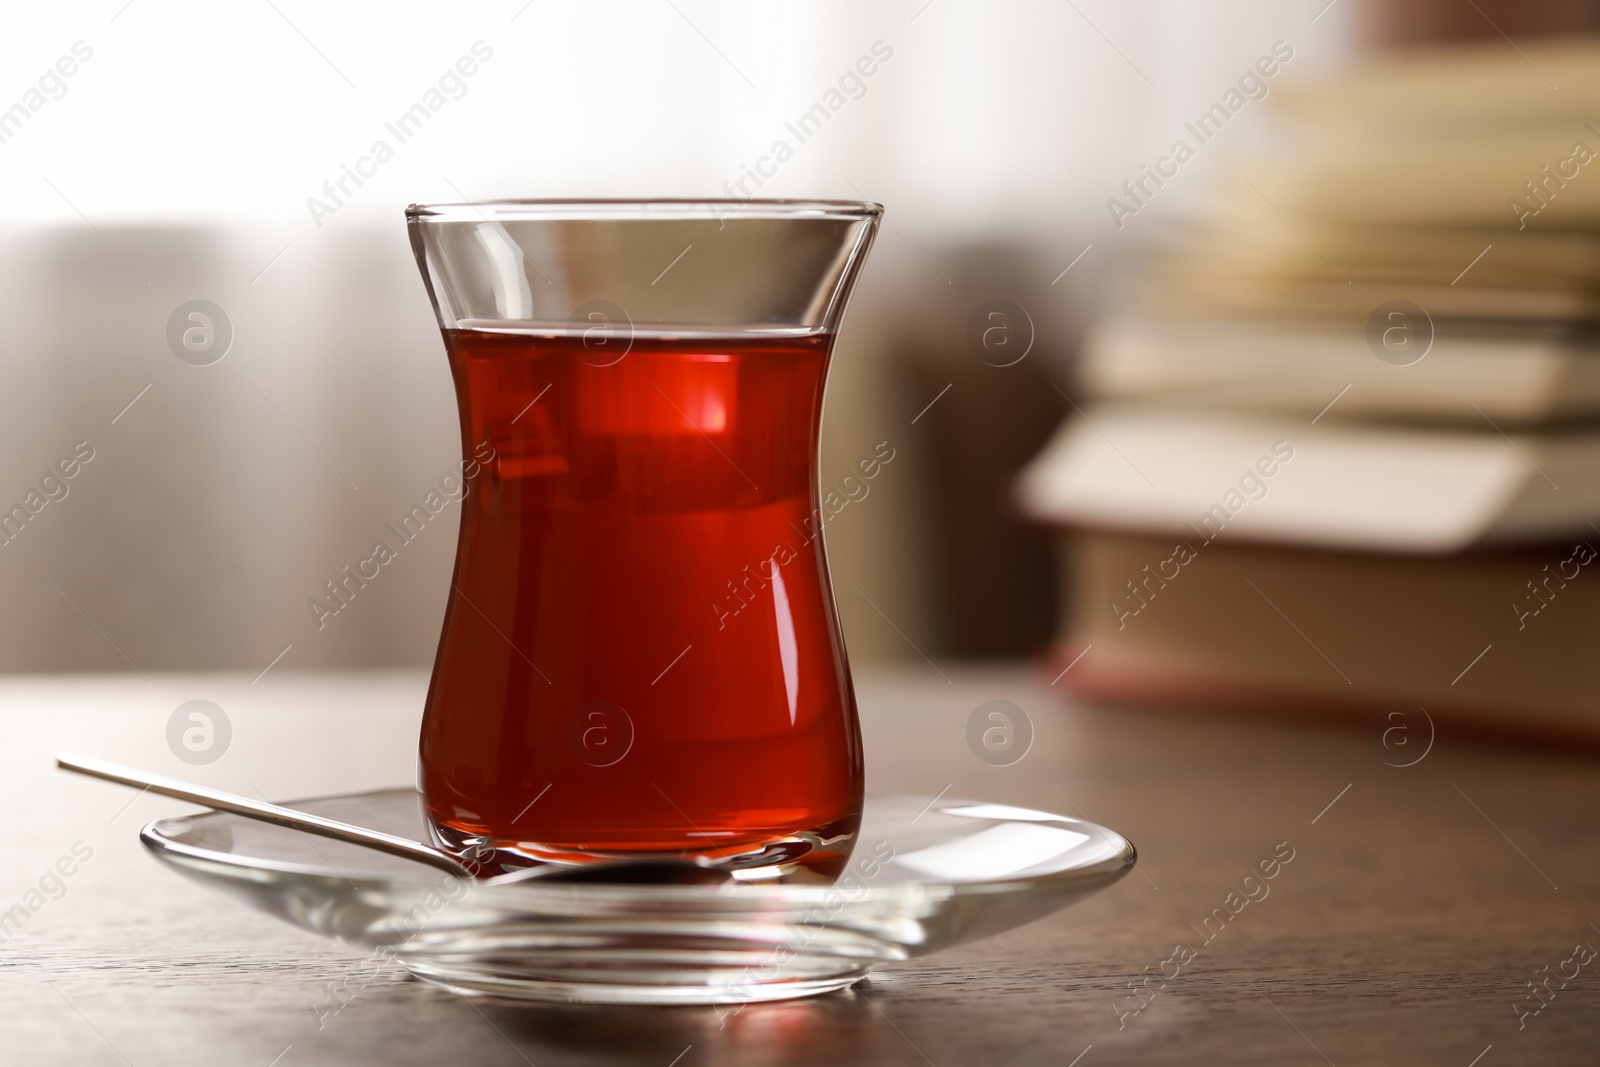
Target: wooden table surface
(1419, 903)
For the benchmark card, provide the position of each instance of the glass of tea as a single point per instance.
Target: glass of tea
(640, 656)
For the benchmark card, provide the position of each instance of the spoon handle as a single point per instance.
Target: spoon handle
(260, 809)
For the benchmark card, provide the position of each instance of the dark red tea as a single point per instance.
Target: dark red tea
(640, 652)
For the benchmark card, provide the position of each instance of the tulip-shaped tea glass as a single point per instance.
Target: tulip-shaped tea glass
(640, 656)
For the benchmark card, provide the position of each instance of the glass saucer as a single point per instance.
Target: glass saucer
(922, 878)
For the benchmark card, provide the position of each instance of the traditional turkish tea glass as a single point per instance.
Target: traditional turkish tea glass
(640, 655)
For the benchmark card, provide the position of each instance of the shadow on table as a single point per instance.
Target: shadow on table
(792, 1031)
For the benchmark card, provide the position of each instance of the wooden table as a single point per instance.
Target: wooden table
(1418, 903)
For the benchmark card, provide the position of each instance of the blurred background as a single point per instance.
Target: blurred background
(162, 153)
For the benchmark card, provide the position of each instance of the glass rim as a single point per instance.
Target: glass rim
(535, 210)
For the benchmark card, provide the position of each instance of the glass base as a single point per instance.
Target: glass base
(807, 856)
(658, 981)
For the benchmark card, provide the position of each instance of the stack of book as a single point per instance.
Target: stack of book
(1343, 449)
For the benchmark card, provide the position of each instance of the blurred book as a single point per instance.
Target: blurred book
(1483, 641)
(1467, 375)
(1279, 493)
(1460, 178)
(1204, 475)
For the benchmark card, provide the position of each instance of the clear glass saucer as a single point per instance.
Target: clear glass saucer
(922, 878)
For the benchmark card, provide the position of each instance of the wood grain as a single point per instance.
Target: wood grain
(1403, 931)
